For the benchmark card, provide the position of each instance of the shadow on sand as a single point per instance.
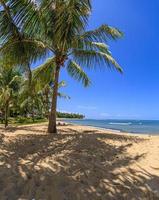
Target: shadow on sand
(72, 166)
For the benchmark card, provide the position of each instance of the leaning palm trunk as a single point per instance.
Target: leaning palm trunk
(52, 118)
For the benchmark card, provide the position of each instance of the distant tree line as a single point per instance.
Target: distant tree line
(70, 115)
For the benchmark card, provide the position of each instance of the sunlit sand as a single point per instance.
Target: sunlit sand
(79, 163)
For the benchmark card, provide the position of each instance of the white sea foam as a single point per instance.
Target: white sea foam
(124, 124)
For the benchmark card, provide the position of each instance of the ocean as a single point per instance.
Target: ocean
(131, 126)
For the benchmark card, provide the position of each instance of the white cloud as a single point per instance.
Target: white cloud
(64, 111)
(87, 107)
(104, 114)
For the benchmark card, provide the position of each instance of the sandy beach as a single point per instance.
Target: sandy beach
(80, 163)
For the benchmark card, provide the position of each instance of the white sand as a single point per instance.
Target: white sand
(81, 163)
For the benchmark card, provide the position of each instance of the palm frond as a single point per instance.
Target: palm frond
(23, 51)
(64, 96)
(98, 46)
(65, 19)
(62, 84)
(44, 74)
(8, 25)
(92, 59)
(16, 79)
(87, 45)
(27, 16)
(77, 73)
(102, 34)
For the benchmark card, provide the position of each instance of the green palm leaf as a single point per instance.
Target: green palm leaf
(95, 59)
(64, 96)
(77, 73)
(44, 74)
(102, 34)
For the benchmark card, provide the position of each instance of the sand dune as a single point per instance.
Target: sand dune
(81, 163)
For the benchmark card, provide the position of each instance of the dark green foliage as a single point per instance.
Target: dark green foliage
(25, 120)
(70, 115)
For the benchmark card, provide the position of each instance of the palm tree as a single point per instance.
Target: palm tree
(35, 97)
(11, 35)
(46, 94)
(59, 27)
(10, 79)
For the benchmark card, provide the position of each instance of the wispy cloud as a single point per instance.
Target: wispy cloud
(87, 107)
(64, 111)
(104, 115)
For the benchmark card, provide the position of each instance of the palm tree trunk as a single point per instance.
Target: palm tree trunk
(29, 74)
(46, 104)
(6, 115)
(33, 119)
(52, 118)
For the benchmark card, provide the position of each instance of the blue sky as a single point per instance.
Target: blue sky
(135, 94)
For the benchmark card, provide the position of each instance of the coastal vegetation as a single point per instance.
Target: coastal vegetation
(54, 31)
(10, 79)
(23, 104)
(70, 115)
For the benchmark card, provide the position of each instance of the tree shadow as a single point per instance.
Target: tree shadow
(30, 128)
(73, 165)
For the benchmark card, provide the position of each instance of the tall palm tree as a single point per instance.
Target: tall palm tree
(59, 27)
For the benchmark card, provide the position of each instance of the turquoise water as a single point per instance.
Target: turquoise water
(132, 126)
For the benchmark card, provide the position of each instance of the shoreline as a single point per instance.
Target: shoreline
(136, 127)
(114, 130)
(65, 123)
